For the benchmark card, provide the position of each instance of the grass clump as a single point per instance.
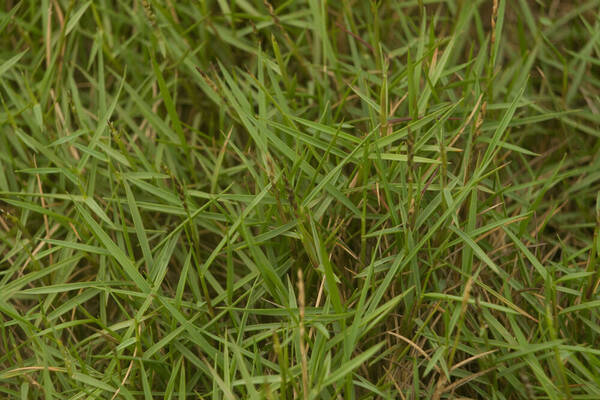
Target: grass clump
(301, 199)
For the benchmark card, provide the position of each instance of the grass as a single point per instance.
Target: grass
(300, 199)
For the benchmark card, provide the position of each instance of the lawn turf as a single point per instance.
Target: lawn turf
(301, 199)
